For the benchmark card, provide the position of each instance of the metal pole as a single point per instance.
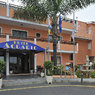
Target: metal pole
(48, 35)
(45, 60)
(35, 58)
(48, 47)
(74, 45)
(61, 54)
(71, 71)
(61, 65)
(81, 78)
(65, 70)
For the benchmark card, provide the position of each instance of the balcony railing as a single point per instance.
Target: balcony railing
(65, 46)
(3, 35)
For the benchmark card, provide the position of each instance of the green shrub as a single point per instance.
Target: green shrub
(68, 73)
(58, 70)
(48, 65)
(92, 74)
(78, 73)
(2, 66)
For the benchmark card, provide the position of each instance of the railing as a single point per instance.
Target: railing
(3, 35)
(83, 35)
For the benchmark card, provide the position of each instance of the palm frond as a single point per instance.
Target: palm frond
(40, 9)
(67, 6)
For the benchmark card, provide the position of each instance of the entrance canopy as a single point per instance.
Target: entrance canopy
(21, 45)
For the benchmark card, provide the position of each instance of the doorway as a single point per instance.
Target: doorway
(25, 63)
(19, 63)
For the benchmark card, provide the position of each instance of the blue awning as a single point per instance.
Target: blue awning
(21, 45)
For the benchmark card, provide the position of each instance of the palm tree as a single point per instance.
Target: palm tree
(39, 10)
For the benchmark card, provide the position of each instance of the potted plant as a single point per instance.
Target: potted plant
(48, 65)
(42, 72)
(2, 68)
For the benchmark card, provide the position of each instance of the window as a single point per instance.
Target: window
(19, 33)
(71, 39)
(89, 45)
(38, 35)
(71, 56)
(13, 60)
(77, 26)
(58, 60)
(89, 30)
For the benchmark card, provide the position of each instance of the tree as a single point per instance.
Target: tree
(40, 9)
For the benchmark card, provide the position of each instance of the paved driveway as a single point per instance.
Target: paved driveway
(44, 89)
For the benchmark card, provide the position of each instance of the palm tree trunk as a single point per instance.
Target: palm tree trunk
(54, 30)
(55, 50)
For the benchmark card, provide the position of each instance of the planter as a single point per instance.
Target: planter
(49, 79)
(42, 74)
(11, 72)
(31, 71)
(0, 83)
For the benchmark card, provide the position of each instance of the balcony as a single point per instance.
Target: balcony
(65, 47)
(83, 35)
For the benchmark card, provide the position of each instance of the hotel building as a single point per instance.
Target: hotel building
(23, 43)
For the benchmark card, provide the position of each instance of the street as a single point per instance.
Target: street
(54, 89)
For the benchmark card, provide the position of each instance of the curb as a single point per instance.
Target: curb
(23, 82)
(43, 80)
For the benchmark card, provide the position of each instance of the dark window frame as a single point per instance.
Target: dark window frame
(19, 33)
(39, 34)
(71, 56)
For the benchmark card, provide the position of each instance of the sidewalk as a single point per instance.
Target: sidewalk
(38, 80)
(14, 82)
(76, 81)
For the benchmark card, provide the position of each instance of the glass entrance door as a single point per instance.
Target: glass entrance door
(25, 63)
(19, 63)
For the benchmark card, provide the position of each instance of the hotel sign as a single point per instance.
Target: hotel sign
(22, 45)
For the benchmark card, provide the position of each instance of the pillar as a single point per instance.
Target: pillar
(7, 58)
(35, 58)
(7, 8)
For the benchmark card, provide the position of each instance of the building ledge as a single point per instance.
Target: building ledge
(28, 24)
(83, 38)
(62, 51)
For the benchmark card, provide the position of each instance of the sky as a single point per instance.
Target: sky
(85, 15)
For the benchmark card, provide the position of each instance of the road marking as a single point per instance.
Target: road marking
(14, 89)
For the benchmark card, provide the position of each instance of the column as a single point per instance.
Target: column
(7, 8)
(7, 58)
(35, 58)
